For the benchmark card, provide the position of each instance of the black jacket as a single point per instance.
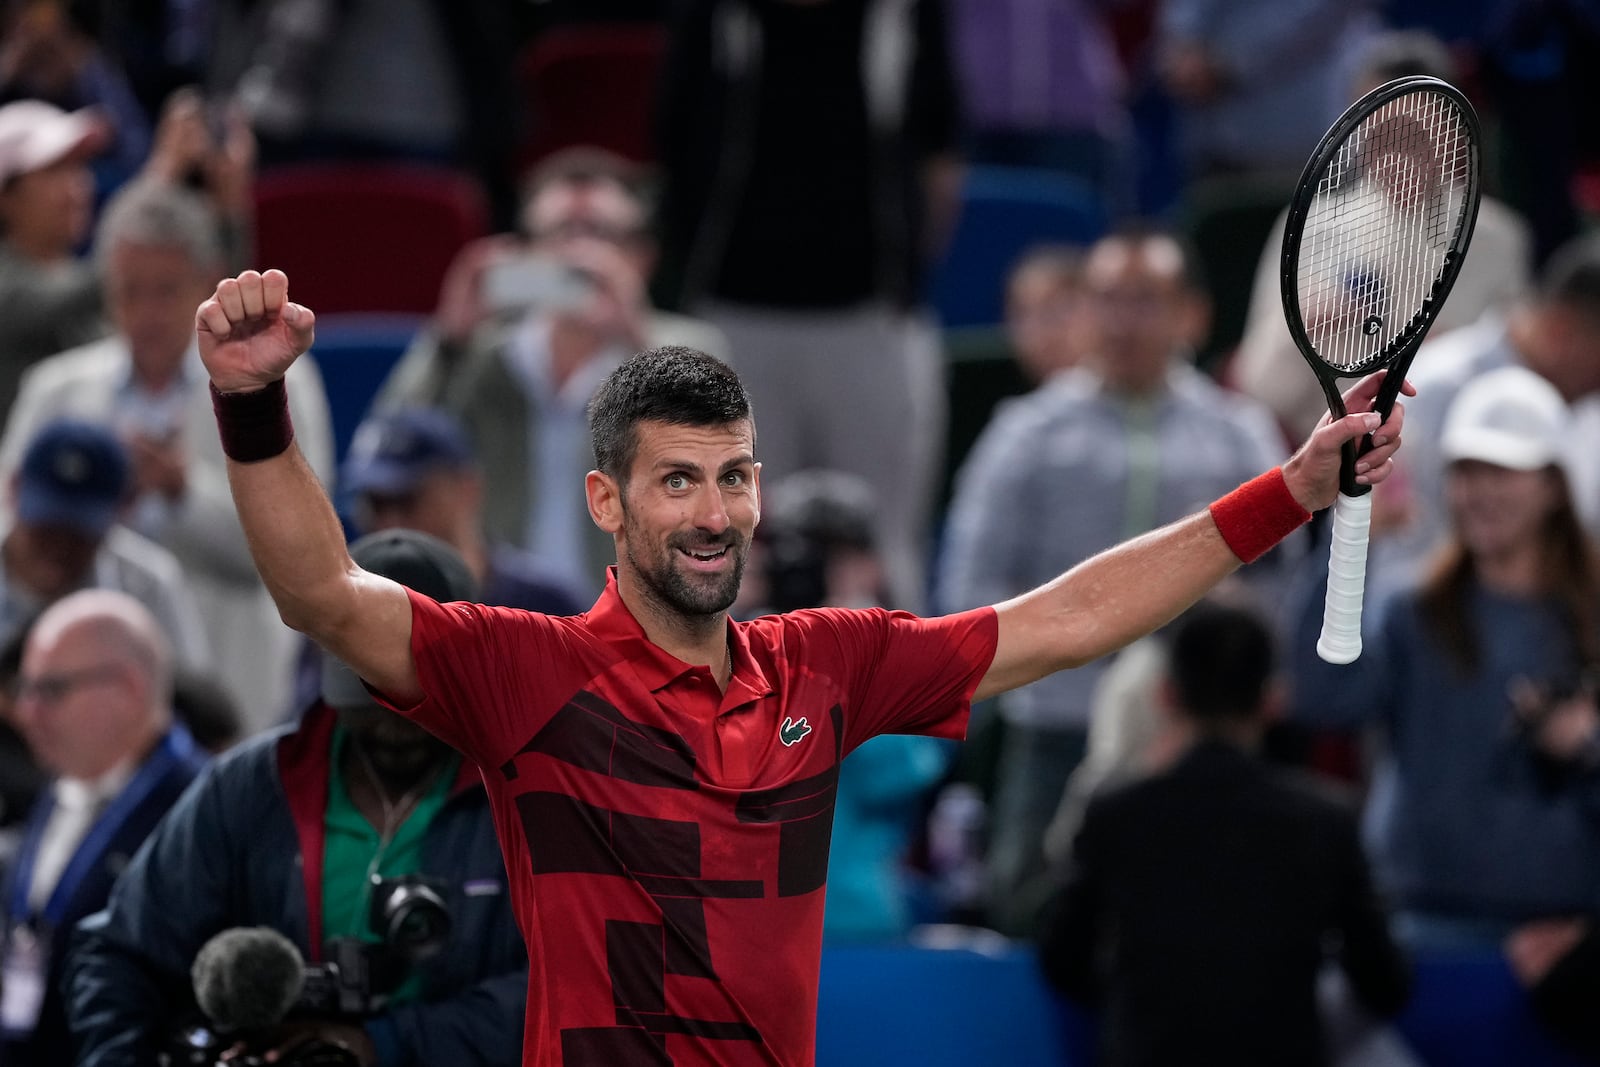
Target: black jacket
(1200, 906)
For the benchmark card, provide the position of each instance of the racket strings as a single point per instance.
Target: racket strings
(1388, 211)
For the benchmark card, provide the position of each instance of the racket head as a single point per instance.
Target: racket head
(1377, 231)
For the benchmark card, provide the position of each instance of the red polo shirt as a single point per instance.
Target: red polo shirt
(666, 842)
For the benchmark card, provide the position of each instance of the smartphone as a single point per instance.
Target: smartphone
(531, 282)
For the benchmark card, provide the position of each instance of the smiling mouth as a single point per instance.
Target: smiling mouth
(705, 555)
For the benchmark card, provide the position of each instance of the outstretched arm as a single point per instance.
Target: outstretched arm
(249, 334)
(1122, 594)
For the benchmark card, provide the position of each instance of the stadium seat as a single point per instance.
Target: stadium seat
(933, 1007)
(367, 237)
(1005, 211)
(591, 85)
(1468, 1010)
(954, 1007)
(354, 353)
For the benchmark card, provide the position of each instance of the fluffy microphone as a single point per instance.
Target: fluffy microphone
(246, 978)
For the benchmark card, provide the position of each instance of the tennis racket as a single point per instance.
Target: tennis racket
(1375, 237)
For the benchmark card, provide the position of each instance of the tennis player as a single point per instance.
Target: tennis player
(662, 777)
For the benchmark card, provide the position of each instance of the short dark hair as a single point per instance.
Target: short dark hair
(1220, 659)
(672, 384)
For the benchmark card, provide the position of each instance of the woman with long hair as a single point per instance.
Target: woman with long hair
(1484, 812)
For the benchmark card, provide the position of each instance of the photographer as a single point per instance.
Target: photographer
(286, 832)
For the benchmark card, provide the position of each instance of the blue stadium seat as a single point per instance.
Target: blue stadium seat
(355, 352)
(1468, 1010)
(932, 1007)
(958, 1007)
(1005, 211)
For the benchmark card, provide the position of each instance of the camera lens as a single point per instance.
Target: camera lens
(410, 916)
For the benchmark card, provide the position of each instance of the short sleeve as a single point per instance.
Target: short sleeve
(903, 674)
(487, 674)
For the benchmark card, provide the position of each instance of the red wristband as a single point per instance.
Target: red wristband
(1258, 515)
(254, 426)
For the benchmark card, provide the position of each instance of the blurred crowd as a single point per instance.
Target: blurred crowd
(1002, 278)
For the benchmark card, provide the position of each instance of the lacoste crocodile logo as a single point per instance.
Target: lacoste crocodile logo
(791, 732)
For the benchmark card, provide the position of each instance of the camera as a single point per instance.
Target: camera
(354, 980)
(197, 1046)
(357, 977)
(535, 282)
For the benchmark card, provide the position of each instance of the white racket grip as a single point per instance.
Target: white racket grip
(1347, 579)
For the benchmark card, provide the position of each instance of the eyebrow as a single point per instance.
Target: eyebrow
(742, 460)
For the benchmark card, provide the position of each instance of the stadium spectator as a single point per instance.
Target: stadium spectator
(1128, 440)
(159, 251)
(49, 298)
(524, 332)
(291, 831)
(94, 701)
(1493, 277)
(1481, 815)
(67, 494)
(1201, 903)
(414, 468)
(1045, 317)
(810, 168)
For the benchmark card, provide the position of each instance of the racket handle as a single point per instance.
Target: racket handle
(1347, 579)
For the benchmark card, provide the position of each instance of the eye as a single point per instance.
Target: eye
(733, 478)
(677, 480)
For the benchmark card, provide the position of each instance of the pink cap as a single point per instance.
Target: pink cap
(34, 134)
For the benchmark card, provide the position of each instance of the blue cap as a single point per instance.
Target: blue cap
(73, 474)
(392, 453)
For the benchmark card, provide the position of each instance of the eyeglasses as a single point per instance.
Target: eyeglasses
(54, 688)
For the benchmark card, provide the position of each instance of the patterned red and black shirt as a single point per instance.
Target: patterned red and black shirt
(667, 842)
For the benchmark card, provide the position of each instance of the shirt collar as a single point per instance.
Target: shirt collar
(81, 793)
(190, 370)
(527, 350)
(611, 620)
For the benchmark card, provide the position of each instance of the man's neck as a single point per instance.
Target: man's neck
(699, 640)
(159, 379)
(382, 797)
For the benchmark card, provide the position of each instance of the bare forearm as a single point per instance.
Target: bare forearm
(294, 535)
(1108, 601)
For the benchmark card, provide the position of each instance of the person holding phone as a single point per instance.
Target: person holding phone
(525, 329)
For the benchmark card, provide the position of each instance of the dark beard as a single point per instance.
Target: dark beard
(682, 593)
(687, 597)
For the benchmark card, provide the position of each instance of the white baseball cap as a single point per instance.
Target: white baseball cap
(1509, 417)
(34, 134)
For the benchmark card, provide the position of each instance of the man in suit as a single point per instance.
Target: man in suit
(94, 703)
(1199, 902)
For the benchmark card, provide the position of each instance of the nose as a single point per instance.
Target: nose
(710, 510)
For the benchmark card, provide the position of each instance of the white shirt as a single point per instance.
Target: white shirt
(558, 444)
(77, 804)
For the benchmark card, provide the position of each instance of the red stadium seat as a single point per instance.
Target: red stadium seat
(591, 85)
(366, 236)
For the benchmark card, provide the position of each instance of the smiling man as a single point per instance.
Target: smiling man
(662, 777)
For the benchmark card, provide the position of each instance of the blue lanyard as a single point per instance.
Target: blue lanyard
(176, 747)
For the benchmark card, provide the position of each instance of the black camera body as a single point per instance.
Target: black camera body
(353, 982)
